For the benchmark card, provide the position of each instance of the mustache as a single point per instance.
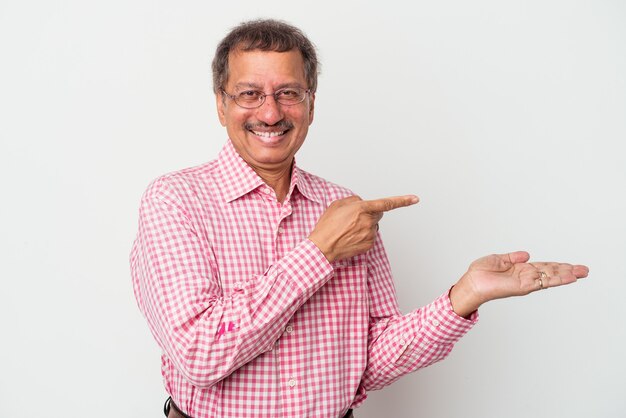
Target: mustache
(282, 125)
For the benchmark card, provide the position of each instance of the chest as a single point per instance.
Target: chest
(245, 237)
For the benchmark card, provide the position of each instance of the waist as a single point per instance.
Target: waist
(171, 410)
(242, 387)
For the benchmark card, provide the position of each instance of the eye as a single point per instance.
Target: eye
(250, 95)
(288, 93)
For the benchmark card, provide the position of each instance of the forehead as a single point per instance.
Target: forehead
(265, 68)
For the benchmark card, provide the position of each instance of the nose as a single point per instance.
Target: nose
(270, 111)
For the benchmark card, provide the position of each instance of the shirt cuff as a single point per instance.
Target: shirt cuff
(307, 268)
(441, 324)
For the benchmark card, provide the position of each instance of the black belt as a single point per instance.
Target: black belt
(171, 410)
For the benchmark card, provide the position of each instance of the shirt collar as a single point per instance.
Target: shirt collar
(302, 180)
(238, 178)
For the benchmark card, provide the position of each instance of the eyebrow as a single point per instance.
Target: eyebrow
(251, 85)
(258, 86)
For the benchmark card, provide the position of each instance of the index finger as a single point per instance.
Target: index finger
(389, 203)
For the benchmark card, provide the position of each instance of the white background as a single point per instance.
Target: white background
(507, 118)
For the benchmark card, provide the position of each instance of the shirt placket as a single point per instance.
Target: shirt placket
(273, 252)
(276, 246)
(281, 231)
(272, 207)
(289, 378)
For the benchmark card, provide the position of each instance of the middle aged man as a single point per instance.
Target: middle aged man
(267, 288)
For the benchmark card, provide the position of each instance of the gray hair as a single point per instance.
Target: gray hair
(265, 35)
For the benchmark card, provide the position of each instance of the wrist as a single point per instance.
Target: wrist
(325, 250)
(463, 298)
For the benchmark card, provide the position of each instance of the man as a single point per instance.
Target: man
(267, 288)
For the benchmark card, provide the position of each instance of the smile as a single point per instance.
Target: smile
(268, 134)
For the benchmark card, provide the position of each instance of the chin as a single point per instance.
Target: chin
(271, 158)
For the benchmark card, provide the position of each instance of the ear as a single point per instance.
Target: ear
(311, 107)
(221, 104)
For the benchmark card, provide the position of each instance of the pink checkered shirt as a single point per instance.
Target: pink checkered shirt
(252, 319)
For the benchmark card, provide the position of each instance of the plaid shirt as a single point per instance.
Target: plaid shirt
(252, 319)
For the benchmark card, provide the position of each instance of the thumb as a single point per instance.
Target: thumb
(500, 262)
(518, 257)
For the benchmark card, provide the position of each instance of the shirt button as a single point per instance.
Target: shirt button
(289, 329)
(281, 230)
(266, 190)
(291, 382)
(435, 322)
(402, 342)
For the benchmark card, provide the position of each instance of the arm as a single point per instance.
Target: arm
(177, 288)
(398, 344)
(402, 344)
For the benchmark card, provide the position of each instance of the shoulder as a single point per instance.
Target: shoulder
(323, 188)
(182, 184)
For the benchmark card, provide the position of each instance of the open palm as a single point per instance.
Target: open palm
(499, 276)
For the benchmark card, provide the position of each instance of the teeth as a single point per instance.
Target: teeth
(268, 134)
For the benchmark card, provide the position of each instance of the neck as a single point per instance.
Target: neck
(279, 180)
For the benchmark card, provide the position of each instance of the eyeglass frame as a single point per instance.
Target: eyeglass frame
(264, 96)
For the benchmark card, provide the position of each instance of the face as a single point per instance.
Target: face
(267, 137)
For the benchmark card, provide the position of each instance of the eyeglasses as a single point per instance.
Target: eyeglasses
(250, 99)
